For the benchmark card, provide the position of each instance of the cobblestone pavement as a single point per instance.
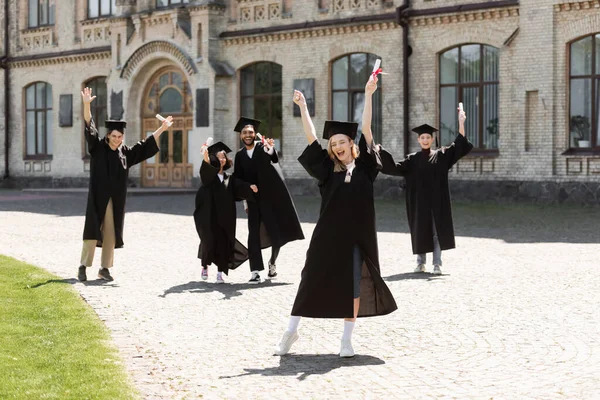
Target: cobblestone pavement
(515, 315)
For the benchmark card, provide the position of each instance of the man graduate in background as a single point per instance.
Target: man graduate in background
(272, 218)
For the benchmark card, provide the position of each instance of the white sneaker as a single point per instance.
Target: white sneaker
(255, 278)
(204, 274)
(420, 268)
(286, 343)
(437, 270)
(220, 278)
(346, 349)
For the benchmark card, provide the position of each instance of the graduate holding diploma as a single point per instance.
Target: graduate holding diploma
(341, 276)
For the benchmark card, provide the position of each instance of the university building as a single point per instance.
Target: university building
(527, 71)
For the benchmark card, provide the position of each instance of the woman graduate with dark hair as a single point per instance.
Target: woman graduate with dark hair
(215, 213)
(341, 276)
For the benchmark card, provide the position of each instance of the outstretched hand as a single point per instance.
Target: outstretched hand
(299, 98)
(371, 86)
(165, 124)
(462, 116)
(254, 189)
(86, 95)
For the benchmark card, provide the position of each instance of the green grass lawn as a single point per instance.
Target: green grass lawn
(52, 345)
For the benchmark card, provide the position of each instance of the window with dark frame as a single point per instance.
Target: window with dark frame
(261, 98)
(584, 89)
(38, 120)
(101, 8)
(469, 74)
(41, 13)
(99, 106)
(349, 75)
(168, 3)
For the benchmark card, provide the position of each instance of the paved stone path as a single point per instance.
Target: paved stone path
(515, 315)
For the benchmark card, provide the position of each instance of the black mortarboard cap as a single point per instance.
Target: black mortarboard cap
(217, 147)
(419, 130)
(114, 125)
(334, 127)
(425, 129)
(246, 121)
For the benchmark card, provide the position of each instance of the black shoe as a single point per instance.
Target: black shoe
(104, 274)
(81, 274)
(272, 271)
(255, 279)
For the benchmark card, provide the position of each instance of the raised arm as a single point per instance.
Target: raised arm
(307, 124)
(163, 127)
(86, 96)
(370, 88)
(461, 146)
(91, 133)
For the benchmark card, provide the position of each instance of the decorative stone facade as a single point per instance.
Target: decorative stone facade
(211, 42)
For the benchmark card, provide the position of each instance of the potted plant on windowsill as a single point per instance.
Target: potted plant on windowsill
(580, 125)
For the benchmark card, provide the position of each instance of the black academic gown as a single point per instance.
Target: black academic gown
(346, 219)
(277, 211)
(109, 171)
(215, 219)
(427, 193)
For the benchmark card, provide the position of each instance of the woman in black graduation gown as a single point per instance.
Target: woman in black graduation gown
(428, 205)
(215, 214)
(341, 276)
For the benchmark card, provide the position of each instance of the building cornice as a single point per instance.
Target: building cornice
(481, 15)
(312, 33)
(577, 5)
(71, 56)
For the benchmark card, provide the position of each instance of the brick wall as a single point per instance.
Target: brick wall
(532, 39)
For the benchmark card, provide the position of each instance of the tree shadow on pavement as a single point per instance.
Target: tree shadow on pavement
(229, 290)
(305, 365)
(413, 275)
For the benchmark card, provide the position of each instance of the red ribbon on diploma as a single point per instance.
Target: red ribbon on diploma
(377, 72)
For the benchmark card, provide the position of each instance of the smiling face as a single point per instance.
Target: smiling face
(115, 139)
(341, 147)
(425, 140)
(248, 136)
(222, 157)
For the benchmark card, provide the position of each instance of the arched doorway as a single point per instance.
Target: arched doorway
(168, 93)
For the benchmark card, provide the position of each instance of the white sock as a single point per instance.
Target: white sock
(348, 328)
(294, 322)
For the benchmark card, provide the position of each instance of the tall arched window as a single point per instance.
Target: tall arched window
(349, 75)
(261, 98)
(469, 74)
(584, 104)
(38, 120)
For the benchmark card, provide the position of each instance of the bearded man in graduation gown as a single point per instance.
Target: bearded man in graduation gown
(272, 218)
(109, 172)
(428, 205)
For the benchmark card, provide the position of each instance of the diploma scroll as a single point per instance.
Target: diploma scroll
(162, 119)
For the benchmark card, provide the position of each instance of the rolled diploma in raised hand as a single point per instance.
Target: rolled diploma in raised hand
(206, 144)
(375, 68)
(161, 119)
(460, 107)
(266, 147)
